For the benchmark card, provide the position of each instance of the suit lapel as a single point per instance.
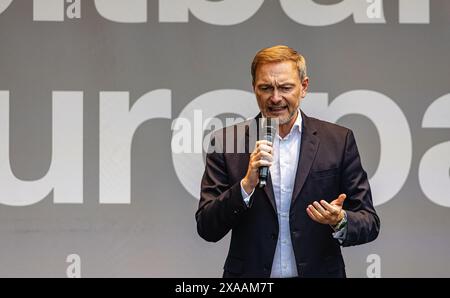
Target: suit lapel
(308, 149)
(268, 189)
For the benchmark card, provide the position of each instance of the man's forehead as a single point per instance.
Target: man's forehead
(278, 77)
(278, 66)
(280, 71)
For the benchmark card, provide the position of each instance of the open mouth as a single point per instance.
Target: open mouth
(277, 109)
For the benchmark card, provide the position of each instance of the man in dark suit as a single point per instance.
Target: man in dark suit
(317, 197)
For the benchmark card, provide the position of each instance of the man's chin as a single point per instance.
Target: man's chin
(282, 119)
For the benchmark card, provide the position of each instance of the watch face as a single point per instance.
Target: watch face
(342, 223)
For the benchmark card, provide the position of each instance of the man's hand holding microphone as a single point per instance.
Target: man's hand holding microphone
(260, 157)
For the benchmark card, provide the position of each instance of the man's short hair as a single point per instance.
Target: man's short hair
(279, 53)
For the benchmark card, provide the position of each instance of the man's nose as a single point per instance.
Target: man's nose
(276, 97)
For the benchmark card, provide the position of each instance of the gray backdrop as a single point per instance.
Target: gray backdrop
(155, 235)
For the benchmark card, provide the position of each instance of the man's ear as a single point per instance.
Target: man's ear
(305, 84)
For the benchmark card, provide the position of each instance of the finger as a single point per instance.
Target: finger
(316, 213)
(263, 142)
(340, 200)
(329, 207)
(255, 155)
(312, 216)
(265, 148)
(261, 163)
(325, 213)
(261, 156)
(265, 156)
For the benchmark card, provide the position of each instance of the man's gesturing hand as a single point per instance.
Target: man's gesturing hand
(261, 156)
(327, 213)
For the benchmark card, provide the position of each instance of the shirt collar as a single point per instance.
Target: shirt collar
(298, 122)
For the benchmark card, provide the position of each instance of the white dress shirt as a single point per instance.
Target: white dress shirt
(284, 167)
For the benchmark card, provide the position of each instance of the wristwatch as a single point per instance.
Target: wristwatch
(342, 223)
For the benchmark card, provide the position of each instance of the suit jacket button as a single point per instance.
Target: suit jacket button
(274, 236)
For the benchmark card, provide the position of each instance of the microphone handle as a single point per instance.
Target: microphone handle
(263, 174)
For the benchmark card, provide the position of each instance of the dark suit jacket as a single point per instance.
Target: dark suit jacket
(329, 164)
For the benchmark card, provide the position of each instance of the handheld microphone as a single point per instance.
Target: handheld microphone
(269, 128)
